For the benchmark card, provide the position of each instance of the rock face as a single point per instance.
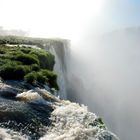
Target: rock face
(8, 91)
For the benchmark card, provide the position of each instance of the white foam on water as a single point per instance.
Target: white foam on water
(30, 96)
(73, 122)
(58, 68)
(70, 121)
(7, 134)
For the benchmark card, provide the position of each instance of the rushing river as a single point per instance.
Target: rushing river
(38, 115)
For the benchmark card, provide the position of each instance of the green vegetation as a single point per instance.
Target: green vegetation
(12, 71)
(41, 56)
(26, 63)
(42, 76)
(51, 76)
(26, 59)
(40, 42)
(99, 123)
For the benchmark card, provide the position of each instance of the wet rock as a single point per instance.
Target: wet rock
(106, 135)
(8, 91)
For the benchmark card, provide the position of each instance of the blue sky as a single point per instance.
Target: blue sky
(124, 13)
(116, 15)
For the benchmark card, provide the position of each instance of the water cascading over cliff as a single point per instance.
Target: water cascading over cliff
(104, 75)
(71, 84)
(33, 112)
(61, 51)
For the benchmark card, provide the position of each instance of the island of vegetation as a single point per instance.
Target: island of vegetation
(31, 65)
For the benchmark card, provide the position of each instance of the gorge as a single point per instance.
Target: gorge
(61, 61)
(31, 111)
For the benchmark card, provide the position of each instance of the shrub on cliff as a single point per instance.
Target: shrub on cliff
(35, 67)
(42, 76)
(22, 63)
(35, 76)
(30, 77)
(26, 59)
(46, 59)
(52, 78)
(13, 72)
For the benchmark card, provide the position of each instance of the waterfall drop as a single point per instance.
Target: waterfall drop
(61, 51)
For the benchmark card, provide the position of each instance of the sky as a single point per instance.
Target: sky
(68, 18)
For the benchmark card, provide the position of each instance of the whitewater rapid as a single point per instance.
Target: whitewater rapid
(47, 117)
(74, 122)
(69, 121)
(7, 134)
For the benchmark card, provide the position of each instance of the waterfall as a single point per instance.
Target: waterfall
(74, 122)
(106, 79)
(36, 114)
(61, 52)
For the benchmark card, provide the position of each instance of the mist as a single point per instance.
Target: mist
(15, 32)
(104, 75)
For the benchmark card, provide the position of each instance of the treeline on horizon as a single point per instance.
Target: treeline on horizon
(40, 42)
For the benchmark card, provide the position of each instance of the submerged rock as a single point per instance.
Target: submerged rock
(106, 135)
(8, 91)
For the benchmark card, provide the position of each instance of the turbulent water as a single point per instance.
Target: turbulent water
(60, 72)
(105, 77)
(38, 115)
(74, 122)
(70, 121)
(61, 52)
(7, 134)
